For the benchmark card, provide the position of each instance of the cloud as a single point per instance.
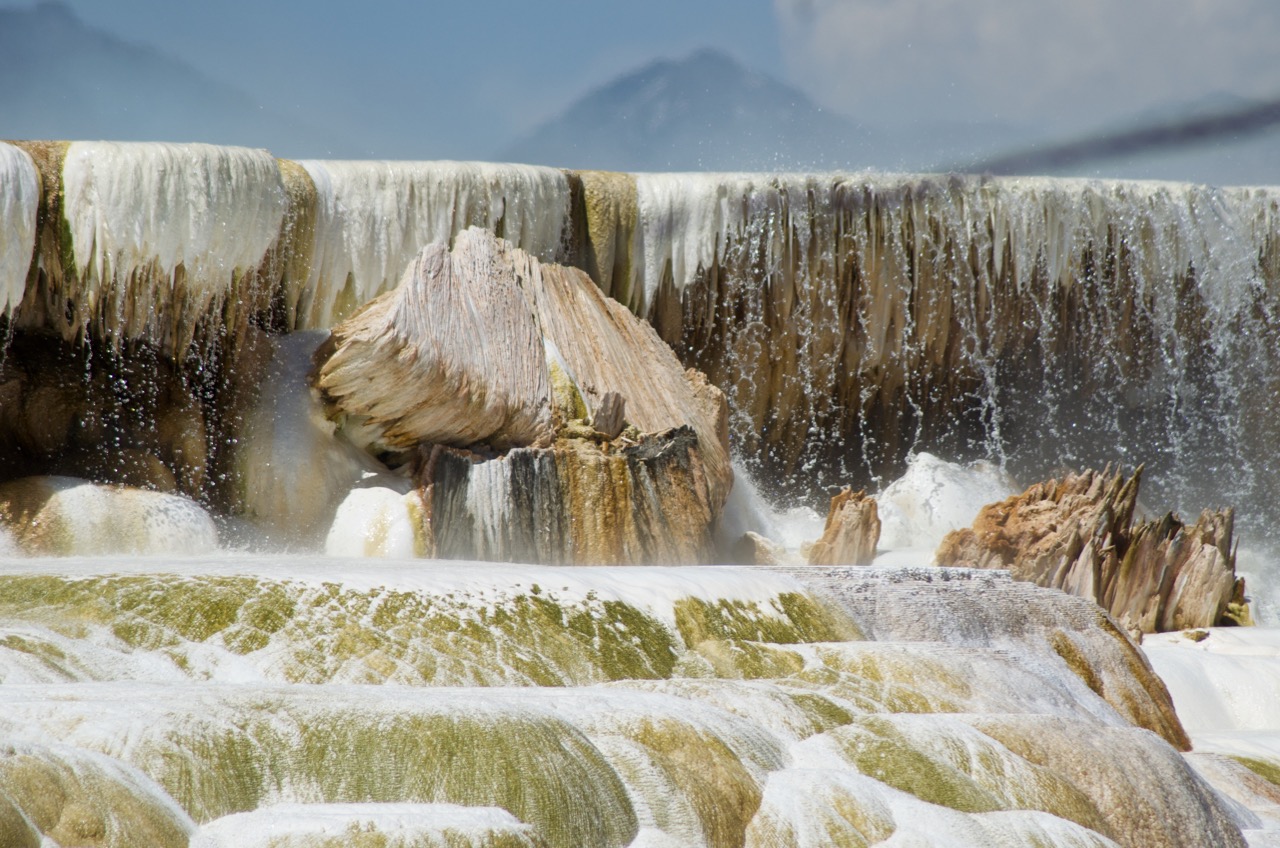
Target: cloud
(1053, 64)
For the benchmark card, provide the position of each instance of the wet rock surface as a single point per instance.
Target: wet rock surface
(544, 422)
(1078, 535)
(851, 533)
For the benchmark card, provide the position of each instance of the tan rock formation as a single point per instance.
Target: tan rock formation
(611, 415)
(452, 356)
(487, 350)
(579, 501)
(851, 533)
(1077, 535)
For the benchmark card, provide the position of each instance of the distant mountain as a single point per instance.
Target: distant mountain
(63, 79)
(703, 112)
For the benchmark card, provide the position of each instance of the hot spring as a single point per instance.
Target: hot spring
(235, 612)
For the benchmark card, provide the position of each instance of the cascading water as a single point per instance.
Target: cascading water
(854, 319)
(153, 298)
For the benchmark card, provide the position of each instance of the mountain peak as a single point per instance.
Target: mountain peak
(704, 111)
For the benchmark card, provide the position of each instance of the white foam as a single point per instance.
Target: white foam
(373, 218)
(19, 205)
(376, 521)
(86, 518)
(1229, 681)
(747, 510)
(398, 824)
(935, 497)
(139, 211)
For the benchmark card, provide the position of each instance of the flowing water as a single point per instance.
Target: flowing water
(192, 670)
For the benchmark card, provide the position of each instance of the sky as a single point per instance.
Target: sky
(441, 80)
(402, 79)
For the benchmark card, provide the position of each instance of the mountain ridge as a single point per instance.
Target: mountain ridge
(104, 87)
(705, 111)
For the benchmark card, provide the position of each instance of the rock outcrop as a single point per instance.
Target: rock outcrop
(851, 533)
(576, 501)
(544, 421)
(1077, 535)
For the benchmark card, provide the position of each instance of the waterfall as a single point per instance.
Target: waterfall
(854, 319)
(19, 204)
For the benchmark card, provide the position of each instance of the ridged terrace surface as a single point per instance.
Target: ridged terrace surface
(612, 707)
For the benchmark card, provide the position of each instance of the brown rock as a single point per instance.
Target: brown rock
(1076, 535)
(851, 533)
(576, 502)
(754, 549)
(472, 347)
(610, 415)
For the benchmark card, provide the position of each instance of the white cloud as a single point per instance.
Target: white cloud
(1053, 64)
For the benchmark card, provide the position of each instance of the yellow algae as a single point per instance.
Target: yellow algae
(16, 830)
(566, 399)
(1076, 660)
(791, 618)
(706, 774)
(74, 800)
(330, 633)
(775, 706)
(871, 694)
(611, 215)
(878, 750)
(743, 660)
(1266, 769)
(274, 748)
(211, 770)
(955, 766)
(540, 770)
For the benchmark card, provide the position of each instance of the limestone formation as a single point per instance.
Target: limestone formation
(851, 532)
(963, 607)
(577, 501)
(545, 421)
(1077, 535)
(452, 356)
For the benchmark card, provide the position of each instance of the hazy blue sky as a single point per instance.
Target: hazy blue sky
(410, 79)
(468, 76)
